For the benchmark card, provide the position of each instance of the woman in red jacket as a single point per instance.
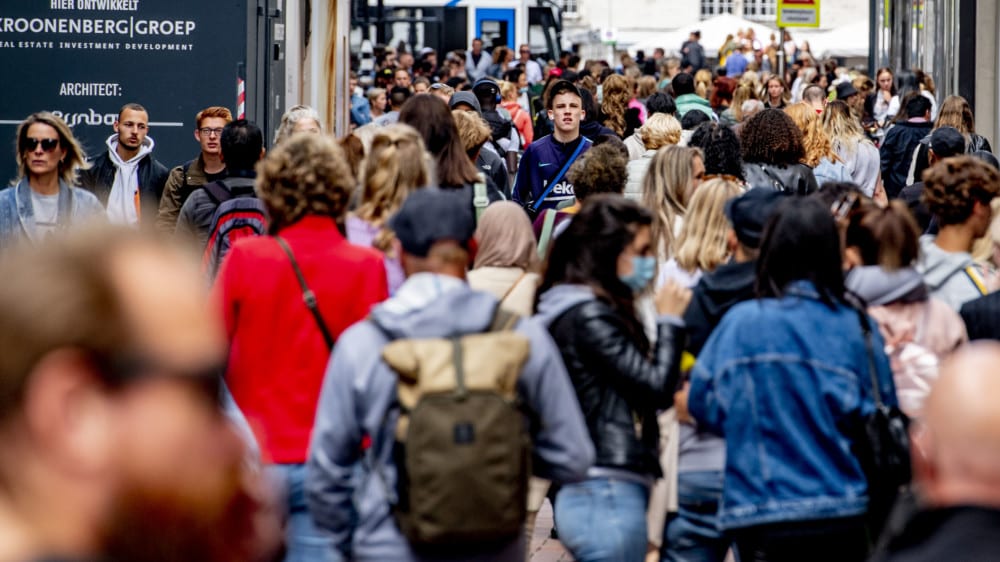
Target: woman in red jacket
(278, 343)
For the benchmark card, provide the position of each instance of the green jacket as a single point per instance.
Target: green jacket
(687, 102)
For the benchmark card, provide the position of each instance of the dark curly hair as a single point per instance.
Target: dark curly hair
(721, 147)
(307, 175)
(954, 185)
(602, 169)
(771, 137)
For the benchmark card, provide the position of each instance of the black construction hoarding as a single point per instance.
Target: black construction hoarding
(84, 59)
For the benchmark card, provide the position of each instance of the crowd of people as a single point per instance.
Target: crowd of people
(671, 300)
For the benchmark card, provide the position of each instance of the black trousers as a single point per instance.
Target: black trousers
(827, 540)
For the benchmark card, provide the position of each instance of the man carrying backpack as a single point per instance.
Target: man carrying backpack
(242, 146)
(420, 449)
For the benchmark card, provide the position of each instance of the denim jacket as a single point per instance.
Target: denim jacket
(17, 216)
(787, 383)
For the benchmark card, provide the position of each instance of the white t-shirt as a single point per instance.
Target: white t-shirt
(46, 209)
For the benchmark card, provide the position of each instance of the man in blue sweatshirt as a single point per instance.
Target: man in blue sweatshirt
(541, 176)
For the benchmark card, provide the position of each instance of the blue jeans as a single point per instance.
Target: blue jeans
(304, 542)
(692, 534)
(603, 519)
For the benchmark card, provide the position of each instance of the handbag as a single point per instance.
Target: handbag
(884, 449)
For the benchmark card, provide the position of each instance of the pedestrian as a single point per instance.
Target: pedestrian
(352, 461)
(541, 183)
(686, 99)
(506, 258)
(377, 98)
(477, 63)
(597, 266)
(733, 115)
(520, 116)
(883, 97)
(776, 94)
(945, 142)
(45, 200)
(671, 180)
(361, 113)
(396, 166)
(700, 246)
(901, 140)
(206, 168)
(721, 151)
(126, 178)
(956, 113)
(958, 192)
(502, 57)
(114, 445)
(397, 96)
(530, 67)
(242, 144)
(955, 469)
(692, 54)
(614, 104)
(852, 146)
(819, 154)
(920, 331)
(764, 392)
(658, 102)
(773, 152)
(297, 290)
(298, 119)
(659, 131)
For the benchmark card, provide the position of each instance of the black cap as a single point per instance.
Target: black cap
(486, 84)
(845, 90)
(468, 98)
(749, 213)
(947, 142)
(432, 215)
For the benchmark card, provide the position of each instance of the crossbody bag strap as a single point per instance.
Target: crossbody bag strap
(308, 296)
(559, 176)
(548, 224)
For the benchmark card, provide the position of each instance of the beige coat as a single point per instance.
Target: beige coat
(512, 285)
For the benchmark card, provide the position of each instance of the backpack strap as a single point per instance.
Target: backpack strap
(217, 191)
(503, 320)
(308, 297)
(555, 179)
(548, 223)
(480, 198)
(973, 276)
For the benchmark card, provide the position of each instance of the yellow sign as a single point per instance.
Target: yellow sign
(798, 13)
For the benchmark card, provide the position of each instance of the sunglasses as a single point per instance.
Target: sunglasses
(131, 367)
(48, 145)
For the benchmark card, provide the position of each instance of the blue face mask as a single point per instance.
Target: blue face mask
(643, 271)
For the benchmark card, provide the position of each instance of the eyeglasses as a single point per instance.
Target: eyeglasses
(30, 144)
(208, 132)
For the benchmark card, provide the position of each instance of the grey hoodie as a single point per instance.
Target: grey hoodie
(879, 287)
(949, 275)
(350, 501)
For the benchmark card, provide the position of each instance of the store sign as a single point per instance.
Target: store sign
(798, 13)
(84, 59)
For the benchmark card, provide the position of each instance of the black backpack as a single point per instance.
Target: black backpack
(500, 125)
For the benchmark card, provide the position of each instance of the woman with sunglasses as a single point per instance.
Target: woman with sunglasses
(43, 200)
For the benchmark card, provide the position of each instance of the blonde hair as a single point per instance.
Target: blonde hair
(701, 244)
(815, 144)
(842, 128)
(508, 90)
(744, 92)
(666, 190)
(645, 87)
(955, 112)
(703, 82)
(472, 129)
(616, 95)
(75, 158)
(660, 130)
(397, 164)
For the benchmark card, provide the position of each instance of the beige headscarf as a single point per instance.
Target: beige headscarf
(505, 237)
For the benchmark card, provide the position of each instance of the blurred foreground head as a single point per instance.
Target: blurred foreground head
(112, 443)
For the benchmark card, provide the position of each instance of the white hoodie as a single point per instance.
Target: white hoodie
(124, 197)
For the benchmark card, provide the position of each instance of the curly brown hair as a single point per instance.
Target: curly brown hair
(307, 175)
(614, 102)
(954, 185)
(771, 137)
(602, 169)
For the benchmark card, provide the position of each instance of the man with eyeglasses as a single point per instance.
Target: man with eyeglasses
(206, 168)
(113, 445)
(531, 68)
(126, 178)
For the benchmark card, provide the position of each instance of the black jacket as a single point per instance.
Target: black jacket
(617, 385)
(982, 317)
(911, 196)
(100, 177)
(712, 298)
(961, 533)
(897, 153)
(795, 178)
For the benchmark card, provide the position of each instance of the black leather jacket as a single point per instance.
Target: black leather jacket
(619, 388)
(100, 177)
(795, 178)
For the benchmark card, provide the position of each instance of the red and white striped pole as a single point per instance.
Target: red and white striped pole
(241, 99)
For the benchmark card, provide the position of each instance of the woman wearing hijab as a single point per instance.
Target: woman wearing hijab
(506, 255)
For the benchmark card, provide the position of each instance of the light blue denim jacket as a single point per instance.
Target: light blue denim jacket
(786, 382)
(17, 216)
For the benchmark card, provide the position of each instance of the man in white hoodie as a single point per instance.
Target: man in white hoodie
(126, 178)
